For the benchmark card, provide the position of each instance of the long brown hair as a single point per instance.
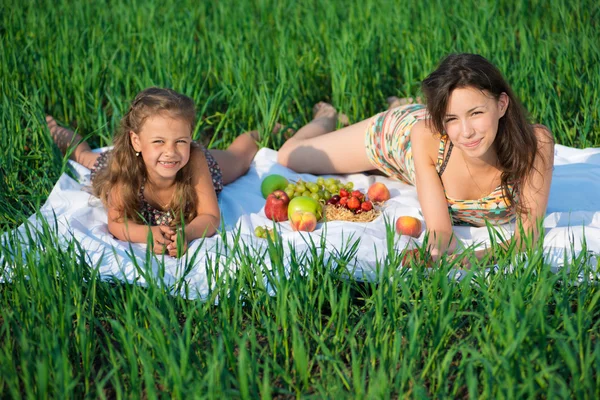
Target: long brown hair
(127, 171)
(516, 143)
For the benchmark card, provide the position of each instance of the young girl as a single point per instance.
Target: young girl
(156, 176)
(471, 153)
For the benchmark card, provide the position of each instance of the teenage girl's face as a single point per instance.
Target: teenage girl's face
(471, 121)
(164, 143)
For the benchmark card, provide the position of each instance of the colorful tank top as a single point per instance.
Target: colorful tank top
(388, 146)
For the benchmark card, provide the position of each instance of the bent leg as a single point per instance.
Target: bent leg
(65, 138)
(316, 148)
(235, 161)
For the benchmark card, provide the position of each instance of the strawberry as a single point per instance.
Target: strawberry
(343, 201)
(358, 194)
(344, 193)
(366, 206)
(353, 203)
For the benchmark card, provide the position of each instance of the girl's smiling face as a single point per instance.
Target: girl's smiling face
(471, 120)
(164, 143)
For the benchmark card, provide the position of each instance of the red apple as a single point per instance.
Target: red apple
(276, 207)
(378, 193)
(409, 226)
(303, 221)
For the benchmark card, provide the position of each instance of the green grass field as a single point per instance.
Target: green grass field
(64, 333)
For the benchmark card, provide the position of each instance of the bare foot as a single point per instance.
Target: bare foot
(325, 112)
(394, 101)
(62, 137)
(287, 132)
(67, 140)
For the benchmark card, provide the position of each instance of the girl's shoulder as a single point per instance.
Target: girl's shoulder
(197, 155)
(424, 140)
(114, 196)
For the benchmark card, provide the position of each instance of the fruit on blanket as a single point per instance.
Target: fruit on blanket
(358, 194)
(272, 183)
(333, 200)
(378, 192)
(263, 232)
(343, 201)
(366, 206)
(305, 204)
(409, 226)
(276, 207)
(290, 193)
(322, 189)
(260, 231)
(353, 203)
(303, 221)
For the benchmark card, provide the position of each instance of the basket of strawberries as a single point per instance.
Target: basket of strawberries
(354, 206)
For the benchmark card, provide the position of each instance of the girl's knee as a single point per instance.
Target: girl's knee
(87, 158)
(283, 154)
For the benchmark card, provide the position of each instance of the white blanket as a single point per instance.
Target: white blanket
(573, 216)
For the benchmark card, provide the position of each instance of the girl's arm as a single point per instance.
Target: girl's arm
(132, 231)
(431, 192)
(536, 188)
(208, 215)
(534, 194)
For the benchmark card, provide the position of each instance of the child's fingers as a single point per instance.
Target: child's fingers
(163, 240)
(166, 230)
(173, 252)
(160, 248)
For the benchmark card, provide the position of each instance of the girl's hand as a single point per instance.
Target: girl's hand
(428, 260)
(414, 257)
(161, 237)
(178, 235)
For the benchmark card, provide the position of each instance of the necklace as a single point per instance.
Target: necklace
(483, 194)
(162, 205)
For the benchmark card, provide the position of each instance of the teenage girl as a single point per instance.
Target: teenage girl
(471, 151)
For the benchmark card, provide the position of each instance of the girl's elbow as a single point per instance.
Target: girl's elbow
(283, 157)
(216, 224)
(116, 229)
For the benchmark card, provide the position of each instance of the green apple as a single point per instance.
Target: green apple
(272, 183)
(305, 204)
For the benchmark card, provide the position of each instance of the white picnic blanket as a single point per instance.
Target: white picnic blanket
(573, 216)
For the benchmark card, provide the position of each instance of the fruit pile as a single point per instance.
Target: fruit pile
(354, 201)
(304, 203)
(322, 190)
